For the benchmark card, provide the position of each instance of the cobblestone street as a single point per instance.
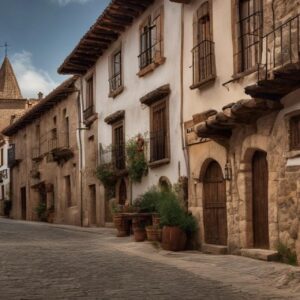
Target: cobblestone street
(41, 261)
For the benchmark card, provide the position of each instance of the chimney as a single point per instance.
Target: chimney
(40, 96)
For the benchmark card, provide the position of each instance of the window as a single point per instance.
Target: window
(151, 40)
(159, 137)
(2, 192)
(89, 104)
(295, 133)
(204, 48)
(68, 191)
(115, 81)
(67, 132)
(250, 16)
(118, 146)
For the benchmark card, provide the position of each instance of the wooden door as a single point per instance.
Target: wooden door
(122, 192)
(260, 200)
(93, 207)
(23, 203)
(215, 215)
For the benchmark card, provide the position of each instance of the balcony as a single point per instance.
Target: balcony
(13, 159)
(59, 148)
(114, 155)
(204, 70)
(36, 153)
(279, 70)
(88, 112)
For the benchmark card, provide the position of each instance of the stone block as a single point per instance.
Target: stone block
(214, 249)
(261, 254)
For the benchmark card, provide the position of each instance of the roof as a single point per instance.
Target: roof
(9, 87)
(116, 17)
(57, 95)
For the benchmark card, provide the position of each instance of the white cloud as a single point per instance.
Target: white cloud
(66, 2)
(31, 80)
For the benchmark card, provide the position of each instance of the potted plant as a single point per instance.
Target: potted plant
(176, 222)
(136, 161)
(153, 233)
(139, 231)
(120, 221)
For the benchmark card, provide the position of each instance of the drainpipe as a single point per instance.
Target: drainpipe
(80, 128)
(184, 148)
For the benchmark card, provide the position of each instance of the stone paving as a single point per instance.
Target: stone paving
(41, 261)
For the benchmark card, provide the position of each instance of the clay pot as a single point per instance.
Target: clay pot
(173, 239)
(121, 225)
(153, 233)
(155, 220)
(139, 234)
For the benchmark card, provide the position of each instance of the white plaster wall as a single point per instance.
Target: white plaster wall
(213, 96)
(5, 167)
(137, 115)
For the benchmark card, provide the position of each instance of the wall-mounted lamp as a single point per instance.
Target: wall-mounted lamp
(228, 171)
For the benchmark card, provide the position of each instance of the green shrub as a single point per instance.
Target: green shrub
(172, 213)
(286, 254)
(148, 201)
(106, 175)
(41, 210)
(136, 162)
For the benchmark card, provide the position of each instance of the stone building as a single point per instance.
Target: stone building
(130, 74)
(44, 158)
(241, 115)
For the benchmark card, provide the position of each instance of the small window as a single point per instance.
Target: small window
(2, 157)
(2, 192)
(151, 40)
(159, 136)
(204, 47)
(89, 104)
(118, 146)
(250, 27)
(295, 133)
(115, 81)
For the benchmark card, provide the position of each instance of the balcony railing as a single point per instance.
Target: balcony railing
(114, 155)
(249, 42)
(203, 62)
(151, 47)
(88, 112)
(280, 47)
(158, 145)
(115, 82)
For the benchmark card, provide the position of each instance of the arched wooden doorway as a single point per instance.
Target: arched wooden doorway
(122, 192)
(260, 200)
(215, 215)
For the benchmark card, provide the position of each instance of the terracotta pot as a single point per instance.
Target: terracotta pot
(121, 225)
(155, 219)
(139, 234)
(153, 233)
(173, 239)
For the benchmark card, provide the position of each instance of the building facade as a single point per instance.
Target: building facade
(241, 119)
(44, 159)
(131, 89)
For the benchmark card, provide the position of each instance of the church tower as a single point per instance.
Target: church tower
(11, 101)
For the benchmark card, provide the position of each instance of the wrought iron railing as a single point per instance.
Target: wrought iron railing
(88, 112)
(59, 141)
(36, 152)
(114, 155)
(203, 62)
(158, 145)
(280, 47)
(115, 82)
(151, 47)
(249, 42)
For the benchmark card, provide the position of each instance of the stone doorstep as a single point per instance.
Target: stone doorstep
(261, 254)
(214, 249)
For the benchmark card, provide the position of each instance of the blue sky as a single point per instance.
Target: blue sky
(41, 33)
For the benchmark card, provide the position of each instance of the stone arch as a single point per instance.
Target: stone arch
(164, 183)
